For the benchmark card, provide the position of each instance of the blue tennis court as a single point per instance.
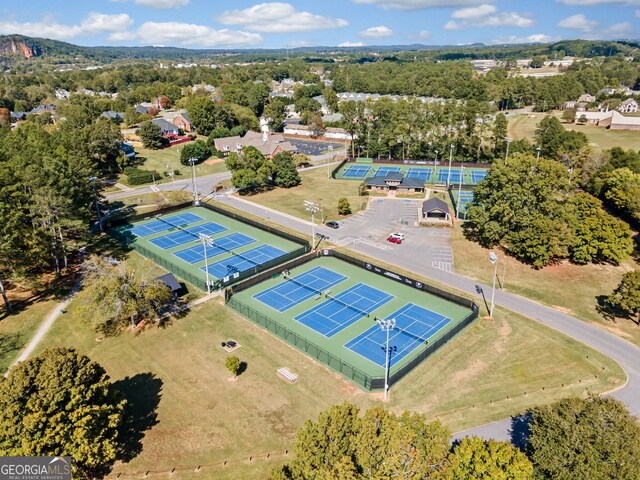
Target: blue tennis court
(356, 171)
(187, 235)
(337, 313)
(456, 175)
(297, 289)
(420, 173)
(160, 226)
(220, 245)
(241, 262)
(383, 171)
(414, 326)
(478, 175)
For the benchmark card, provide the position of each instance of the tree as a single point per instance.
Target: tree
(554, 140)
(475, 458)
(61, 403)
(537, 61)
(584, 438)
(569, 115)
(151, 136)
(130, 116)
(331, 99)
(122, 296)
(233, 365)
(284, 172)
(5, 117)
(344, 208)
(341, 445)
(351, 114)
(206, 115)
(197, 150)
(275, 112)
(625, 299)
(499, 135)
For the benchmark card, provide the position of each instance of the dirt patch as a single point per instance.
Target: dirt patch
(470, 372)
(213, 161)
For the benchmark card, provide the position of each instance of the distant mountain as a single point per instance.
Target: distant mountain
(16, 49)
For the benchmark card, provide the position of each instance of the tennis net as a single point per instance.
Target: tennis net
(364, 313)
(179, 227)
(303, 285)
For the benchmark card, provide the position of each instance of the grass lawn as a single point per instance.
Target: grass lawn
(159, 159)
(569, 288)
(524, 126)
(315, 187)
(148, 202)
(205, 418)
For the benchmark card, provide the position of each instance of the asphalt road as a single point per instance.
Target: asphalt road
(624, 352)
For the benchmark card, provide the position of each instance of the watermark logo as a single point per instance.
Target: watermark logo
(35, 468)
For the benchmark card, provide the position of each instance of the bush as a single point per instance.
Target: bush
(197, 150)
(137, 176)
(233, 364)
(344, 208)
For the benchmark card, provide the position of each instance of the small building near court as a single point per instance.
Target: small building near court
(171, 282)
(394, 182)
(435, 212)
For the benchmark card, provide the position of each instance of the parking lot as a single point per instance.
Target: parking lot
(383, 217)
(312, 147)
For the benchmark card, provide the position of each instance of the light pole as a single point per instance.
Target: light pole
(450, 158)
(435, 162)
(206, 241)
(493, 258)
(313, 208)
(538, 152)
(459, 192)
(386, 324)
(194, 184)
(506, 153)
(95, 196)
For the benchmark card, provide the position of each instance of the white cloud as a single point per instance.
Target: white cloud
(350, 44)
(534, 38)
(578, 22)
(421, 35)
(420, 4)
(376, 32)
(191, 35)
(474, 12)
(480, 17)
(279, 17)
(94, 23)
(638, 13)
(618, 29)
(583, 3)
(163, 4)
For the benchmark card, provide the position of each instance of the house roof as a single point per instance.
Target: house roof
(619, 119)
(434, 204)
(111, 114)
(170, 281)
(629, 101)
(381, 181)
(254, 139)
(412, 183)
(164, 125)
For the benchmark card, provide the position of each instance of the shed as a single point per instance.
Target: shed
(435, 209)
(171, 282)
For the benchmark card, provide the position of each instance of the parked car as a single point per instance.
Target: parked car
(397, 235)
(393, 239)
(333, 225)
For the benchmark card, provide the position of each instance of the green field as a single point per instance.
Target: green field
(402, 295)
(176, 376)
(192, 272)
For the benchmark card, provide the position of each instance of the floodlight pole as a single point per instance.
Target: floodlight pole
(450, 158)
(506, 153)
(435, 162)
(313, 208)
(386, 324)
(538, 152)
(206, 240)
(95, 196)
(194, 183)
(493, 258)
(459, 192)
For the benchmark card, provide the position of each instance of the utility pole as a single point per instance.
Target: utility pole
(95, 196)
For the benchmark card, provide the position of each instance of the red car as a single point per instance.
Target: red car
(393, 239)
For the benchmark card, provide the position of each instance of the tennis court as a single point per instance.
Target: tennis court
(384, 171)
(456, 175)
(420, 173)
(478, 175)
(160, 226)
(340, 330)
(299, 288)
(356, 171)
(340, 311)
(241, 262)
(221, 245)
(414, 326)
(187, 235)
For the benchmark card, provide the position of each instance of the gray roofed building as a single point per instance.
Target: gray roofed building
(167, 128)
(435, 211)
(111, 115)
(170, 281)
(394, 182)
(267, 144)
(144, 107)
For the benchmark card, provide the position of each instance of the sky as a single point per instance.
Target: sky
(249, 24)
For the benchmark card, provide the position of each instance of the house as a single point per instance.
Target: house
(43, 108)
(145, 107)
(300, 130)
(167, 128)
(630, 105)
(435, 212)
(61, 93)
(607, 91)
(111, 115)
(586, 98)
(613, 120)
(17, 116)
(592, 118)
(171, 282)
(181, 120)
(265, 143)
(337, 133)
(394, 182)
(128, 150)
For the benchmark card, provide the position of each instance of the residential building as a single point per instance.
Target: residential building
(630, 105)
(266, 143)
(166, 127)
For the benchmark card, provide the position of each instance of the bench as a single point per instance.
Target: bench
(287, 375)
